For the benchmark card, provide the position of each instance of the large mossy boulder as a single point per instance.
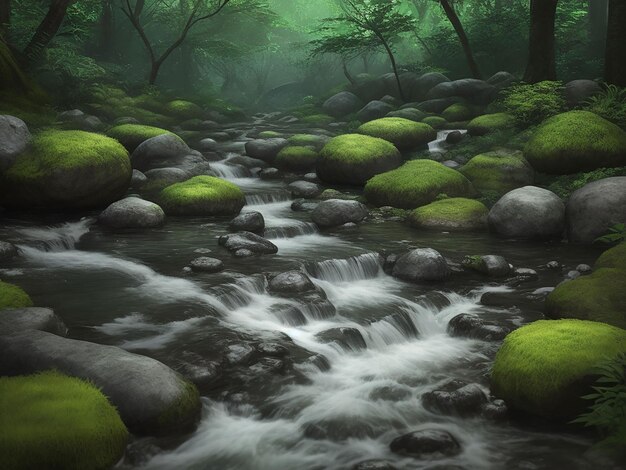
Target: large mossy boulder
(202, 195)
(488, 123)
(183, 109)
(67, 170)
(132, 135)
(436, 122)
(576, 141)
(12, 296)
(458, 112)
(355, 158)
(455, 214)
(415, 184)
(296, 158)
(498, 171)
(598, 296)
(544, 368)
(49, 420)
(403, 133)
(161, 151)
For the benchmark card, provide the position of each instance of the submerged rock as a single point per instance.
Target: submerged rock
(456, 398)
(248, 241)
(204, 264)
(349, 339)
(132, 212)
(31, 318)
(291, 282)
(427, 443)
(491, 265)
(469, 325)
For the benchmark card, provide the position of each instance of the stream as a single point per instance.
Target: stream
(277, 394)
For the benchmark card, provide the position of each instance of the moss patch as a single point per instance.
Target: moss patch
(498, 171)
(487, 123)
(355, 158)
(403, 133)
(202, 195)
(183, 109)
(451, 214)
(545, 367)
(576, 141)
(49, 420)
(12, 296)
(458, 112)
(179, 413)
(415, 184)
(318, 119)
(269, 134)
(296, 158)
(598, 296)
(132, 135)
(305, 140)
(436, 122)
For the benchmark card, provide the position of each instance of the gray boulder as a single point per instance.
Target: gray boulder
(14, 138)
(491, 265)
(469, 325)
(579, 91)
(341, 104)
(248, 222)
(204, 264)
(160, 178)
(290, 282)
(164, 150)
(334, 212)
(473, 90)
(412, 114)
(249, 242)
(374, 110)
(596, 207)
(528, 213)
(150, 397)
(304, 189)
(426, 443)
(421, 264)
(455, 398)
(439, 105)
(265, 149)
(132, 212)
(207, 145)
(138, 179)
(31, 318)
(7, 251)
(502, 79)
(425, 83)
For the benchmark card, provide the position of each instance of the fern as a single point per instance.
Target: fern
(610, 104)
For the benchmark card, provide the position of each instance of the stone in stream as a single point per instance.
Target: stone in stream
(290, 282)
(390, 393)
(491, 265)
(204, 264)
(304, 189)
(270, 173)
(14, 138)
(374, 464)
(581, 268)
(207, 144)
(132, 212)
(150, 397)
(265, 149)
(247, 162)
(303, 205)
(469, 325)
(248, 241)
(421, 264)
(311, 177)
(349, 339)
(160, 178)
(7, 251)
(164, 150)
(334, 212)
(455, 398)
(31, 318)
(426, 443)
(248, 222)
(454, 137)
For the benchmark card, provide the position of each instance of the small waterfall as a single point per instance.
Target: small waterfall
(294, 230)
(365, 266)
(58, 238)
(226, 170)
(436, 146)
(266, 198)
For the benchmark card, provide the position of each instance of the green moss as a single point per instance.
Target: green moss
(565, 185)
(296, 158)
(12, 296)
(576, 141)
(306, 110)
(304, 140)
(49, 420)
(183, 109)
(488, 123)
(403, 133)
(269, 134)
(354, 158)
(498, 171)
(131, 135)
(436, 122)
(202, 195)
(415, 184)
(451, 214)
(184, 411)
(545, 367)
(458, 112)
(598, 296)
(318, 119)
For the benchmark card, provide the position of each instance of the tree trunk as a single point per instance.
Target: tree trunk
(5, 17)
(106, 30)
(597, 25)
(615, 59)
(46, 30)
(541, 56)
(346, 72)
(154, 71)
(393, 66)
(460, 32)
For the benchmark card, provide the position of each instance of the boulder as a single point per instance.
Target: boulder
(454, 214)
(458, 112)
(412, 114)
(290, 282)
(488, 123)
(132, 212)
(14, 138)
(248, 222)
(132, 135)
(528, 213)
(252, 243)
(579, 91)
(374, 110)
(593, 209)
(502, 79)
(304, 189)
(500, 171)
(164, 150)
(454, 137)
(425, 83)
(455, 398)
(31, 318)
(469, 325)
(342, 104)
(471, 89)
(265, 149)
(7, 251)
(421, 264)
(296, 158)
(138, 179)
(207, 145)
(202, 195)
(160, 178)
(491, 265)
(204, 264)
(334, 212)
(438, 105)
(426, 443)
(349, 339)
(149, 396)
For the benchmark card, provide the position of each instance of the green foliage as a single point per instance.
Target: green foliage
(49, 420)
(610, 104)
(403, 133)
(565, 185)
(12, 296)
(531, 104)
(616, 234)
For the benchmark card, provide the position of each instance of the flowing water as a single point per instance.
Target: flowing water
(278, 394)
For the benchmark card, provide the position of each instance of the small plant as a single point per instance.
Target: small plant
(616, 234)
(531, 104)
(610, 104)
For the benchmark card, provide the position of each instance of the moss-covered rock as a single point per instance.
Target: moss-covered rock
(67, 170)
(308, 140)
(436, 122)
(202, 195)
(49, 420)
(451, 214)
(598, 296)
(355, 158)
(270, 134)
(416, 183)
(296, 158)
(498, 171)
(487, 123)
(12, 296)
(183, 109)
(403, 133)
(132, 135)
(576, 141)
(318, 119)
(544, 368)
(458, 112)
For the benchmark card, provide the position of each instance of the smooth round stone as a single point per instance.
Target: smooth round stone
(204, 264)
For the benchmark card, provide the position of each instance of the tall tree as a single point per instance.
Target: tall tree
(615, 57)
(541, 49)
(47, 29)
(460, 32)
(597, 18)
(5, 17)
(199, 10)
